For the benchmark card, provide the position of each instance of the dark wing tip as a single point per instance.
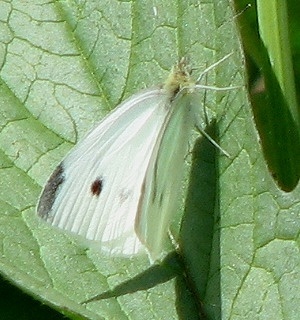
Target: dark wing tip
(49, 193)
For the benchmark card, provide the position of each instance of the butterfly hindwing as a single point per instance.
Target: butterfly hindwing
(163, 180)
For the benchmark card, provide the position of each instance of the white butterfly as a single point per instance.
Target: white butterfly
(119, 186)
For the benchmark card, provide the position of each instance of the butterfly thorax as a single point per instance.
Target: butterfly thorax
(179, 78)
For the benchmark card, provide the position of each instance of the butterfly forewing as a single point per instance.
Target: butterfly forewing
(97, 188)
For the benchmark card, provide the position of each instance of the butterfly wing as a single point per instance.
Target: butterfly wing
(95, 191)
(163, 180)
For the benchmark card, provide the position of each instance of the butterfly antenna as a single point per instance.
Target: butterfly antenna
(213, 66)
(200, 86)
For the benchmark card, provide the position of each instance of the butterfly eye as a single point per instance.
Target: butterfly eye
(97, 187)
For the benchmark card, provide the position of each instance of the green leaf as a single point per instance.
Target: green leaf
(66, 64)
(272, 84)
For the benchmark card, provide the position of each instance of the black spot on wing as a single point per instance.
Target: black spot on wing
(49, 193)
(96, 187)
